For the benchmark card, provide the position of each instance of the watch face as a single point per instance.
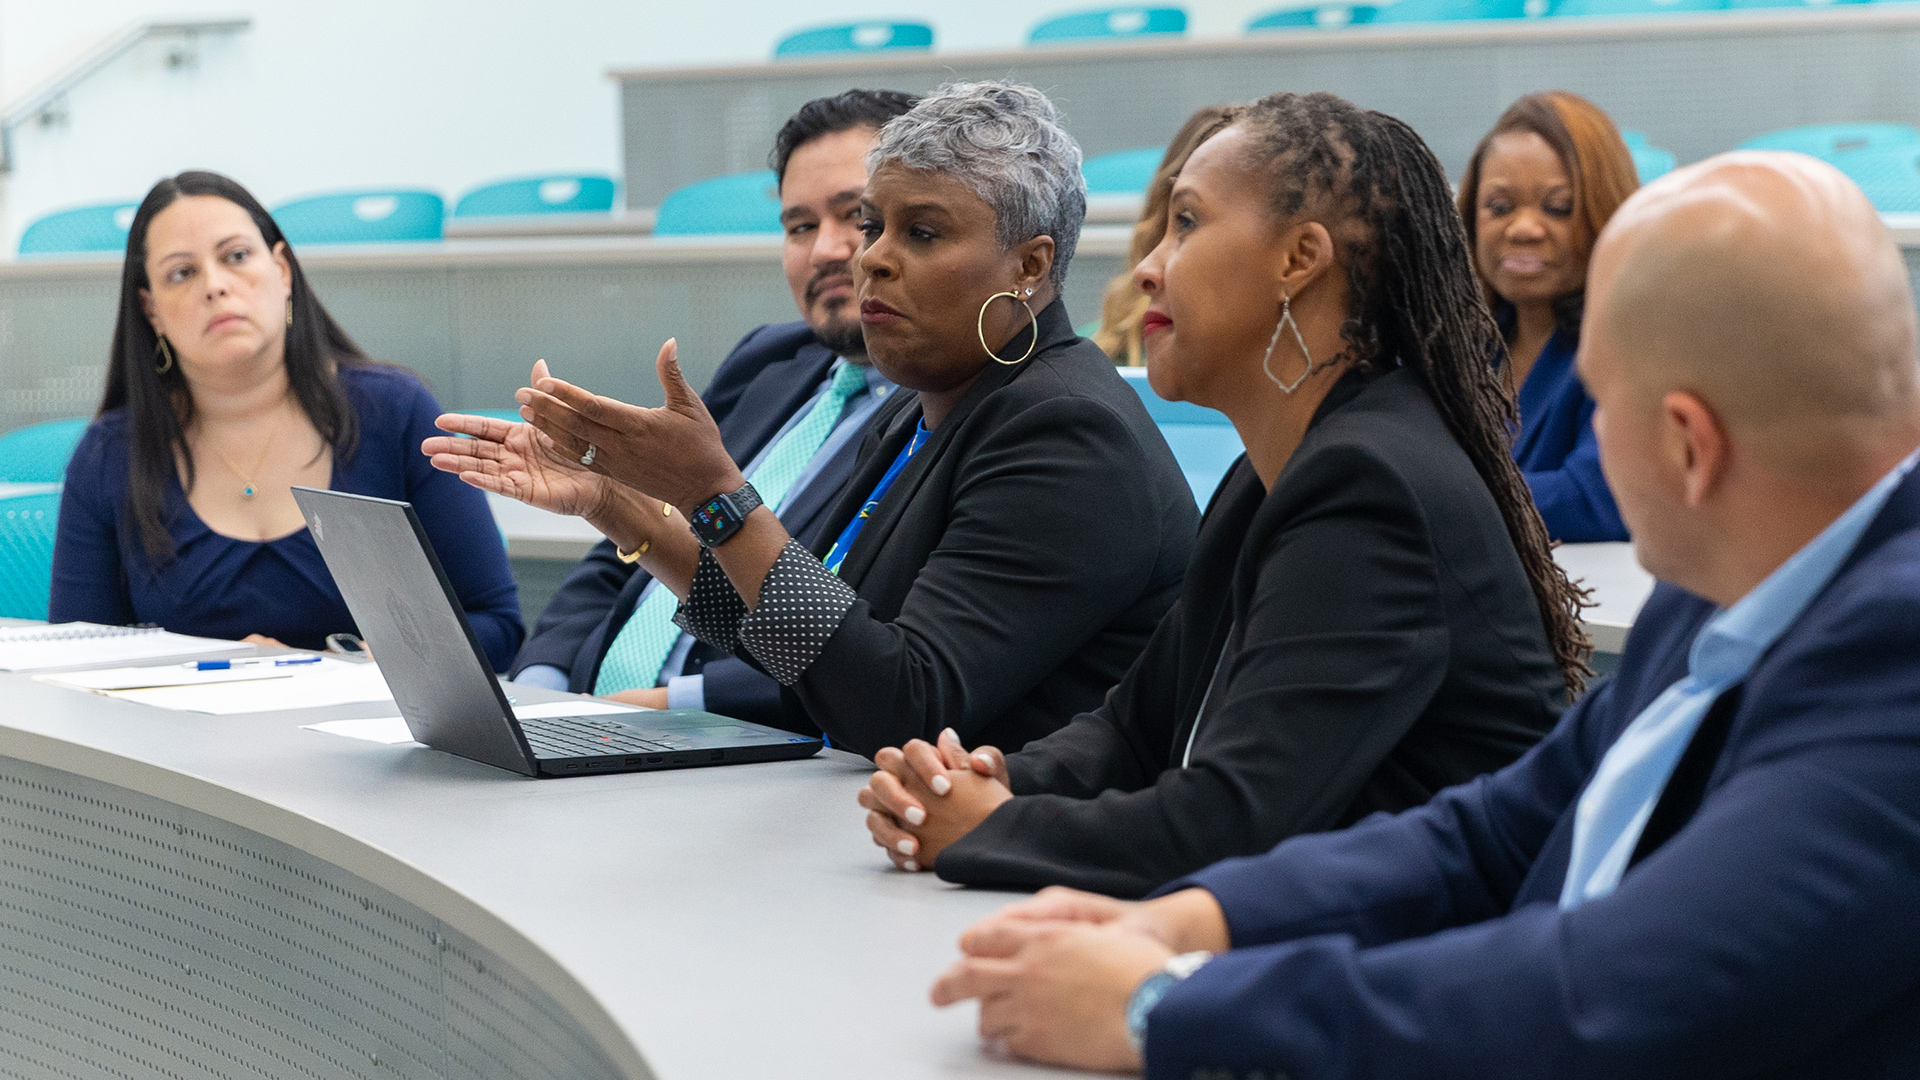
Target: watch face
(712, 511)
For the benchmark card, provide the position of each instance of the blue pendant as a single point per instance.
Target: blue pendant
(247, 492)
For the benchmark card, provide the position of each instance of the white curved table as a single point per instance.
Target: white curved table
(194, 895)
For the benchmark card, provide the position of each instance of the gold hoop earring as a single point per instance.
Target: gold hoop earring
(166, 354)
(1266, 365)
(980, 326)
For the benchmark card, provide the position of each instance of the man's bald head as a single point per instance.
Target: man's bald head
(1765, 283)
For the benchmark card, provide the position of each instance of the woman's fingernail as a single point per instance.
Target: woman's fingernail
(984, 759)
(940, 785)
(910, 866)
(950, 734)
(907, 846)
(915, 815)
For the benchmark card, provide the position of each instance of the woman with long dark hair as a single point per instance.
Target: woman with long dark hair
(1371, 613)
(1537, 191)
(228, 384)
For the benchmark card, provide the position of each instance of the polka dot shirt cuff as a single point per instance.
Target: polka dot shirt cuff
(801, 604)
(712, 610)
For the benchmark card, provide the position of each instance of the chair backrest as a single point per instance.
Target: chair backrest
(362, 217)
(27, 524)
(1111, 24)
(84, 228)
(1890, 176)
(1203, 440)
(1437, 11)
(856, 38)
(539, 195)
(1314, 16)
(38, 453)
(1123, 171)
(1579, 8)
(741, 203)
(1831, 142)
(1649, 161)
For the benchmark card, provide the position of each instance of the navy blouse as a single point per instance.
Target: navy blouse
(217, 586)
(1558, 453)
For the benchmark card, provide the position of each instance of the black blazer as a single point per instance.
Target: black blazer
(1376, 640)
(767, 377)
(1018, 564)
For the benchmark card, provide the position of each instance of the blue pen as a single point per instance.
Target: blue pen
(228, 665)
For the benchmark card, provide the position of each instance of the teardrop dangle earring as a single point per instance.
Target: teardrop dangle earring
(1287, 322)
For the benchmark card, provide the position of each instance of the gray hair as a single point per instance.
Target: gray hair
(1005, 142)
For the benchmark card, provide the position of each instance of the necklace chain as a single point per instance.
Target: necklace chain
(247, 490)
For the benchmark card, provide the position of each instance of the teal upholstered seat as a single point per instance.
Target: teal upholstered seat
(1890, 176)
(27, 524)
(1649, 161)
(1831, 142)
(1203, 440)
(81, 229)
(528, 196)
(1123, 171)
(362, 217)
(740, 203)
(38, 453)
(1111, 24)
(864, 37)
(1314, 16)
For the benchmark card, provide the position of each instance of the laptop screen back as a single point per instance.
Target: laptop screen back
(411, 620)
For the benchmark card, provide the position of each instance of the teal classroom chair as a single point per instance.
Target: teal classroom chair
(535, 195)
(1831, 142)
(27, 524)
(38, 453)
(741, 203)
(363, 217)
(1203, 441)
(1322, 16)
(1604, 8)
(1122, 172)
(82, 229)
(865, 37)
(1650, 162)
(1441, 11)
(1890, 176)
(1111, 24)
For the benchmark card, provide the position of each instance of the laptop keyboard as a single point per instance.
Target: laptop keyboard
(584, 736)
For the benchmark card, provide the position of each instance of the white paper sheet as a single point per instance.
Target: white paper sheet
(330, 682)
(137, 678)
(392, 729)
(80, 644)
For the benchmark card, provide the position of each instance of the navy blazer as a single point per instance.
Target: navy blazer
(1557, 451)
(767, 377)
(1769, 927)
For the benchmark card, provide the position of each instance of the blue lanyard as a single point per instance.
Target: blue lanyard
(851, 533)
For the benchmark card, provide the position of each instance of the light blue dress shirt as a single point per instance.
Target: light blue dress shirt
(1618, 802)
(689, 691)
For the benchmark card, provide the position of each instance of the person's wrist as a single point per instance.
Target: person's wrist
(720, 484)
(621, 518)
(1148, 992)
(1187, 921)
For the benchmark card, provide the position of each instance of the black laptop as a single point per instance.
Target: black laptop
(412, 621)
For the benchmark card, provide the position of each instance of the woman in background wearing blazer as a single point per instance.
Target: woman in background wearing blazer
(1371, 614)
(1537, 191)
(1013, 530)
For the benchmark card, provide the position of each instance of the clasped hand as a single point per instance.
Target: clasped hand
(924, 797)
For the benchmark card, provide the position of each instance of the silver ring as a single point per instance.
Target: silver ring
(587, 458)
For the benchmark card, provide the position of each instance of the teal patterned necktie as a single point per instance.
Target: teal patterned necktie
(644, 643)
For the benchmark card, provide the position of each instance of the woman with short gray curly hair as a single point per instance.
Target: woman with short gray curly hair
(1015, 525)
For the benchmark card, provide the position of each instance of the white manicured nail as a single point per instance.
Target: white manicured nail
(911, 867)
(940, 785)
(950, 734)
(907, 847)
(915, 815)
(984, 759)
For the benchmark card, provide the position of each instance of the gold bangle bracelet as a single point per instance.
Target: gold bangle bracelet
(633, 557)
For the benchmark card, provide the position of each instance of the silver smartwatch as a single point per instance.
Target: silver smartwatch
(1153, 988)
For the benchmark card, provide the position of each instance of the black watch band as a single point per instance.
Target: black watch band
(716, 520)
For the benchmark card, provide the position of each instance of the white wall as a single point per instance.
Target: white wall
(327, 94)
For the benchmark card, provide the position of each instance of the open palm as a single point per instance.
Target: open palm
(514, 460)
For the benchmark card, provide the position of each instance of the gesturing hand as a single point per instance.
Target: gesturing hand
(672, 453)
(515, 460)
(1055, 992)
(926, 797)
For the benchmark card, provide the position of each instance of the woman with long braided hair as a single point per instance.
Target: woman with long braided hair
(1371, 613)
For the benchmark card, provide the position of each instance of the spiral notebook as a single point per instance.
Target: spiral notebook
(64, 646)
